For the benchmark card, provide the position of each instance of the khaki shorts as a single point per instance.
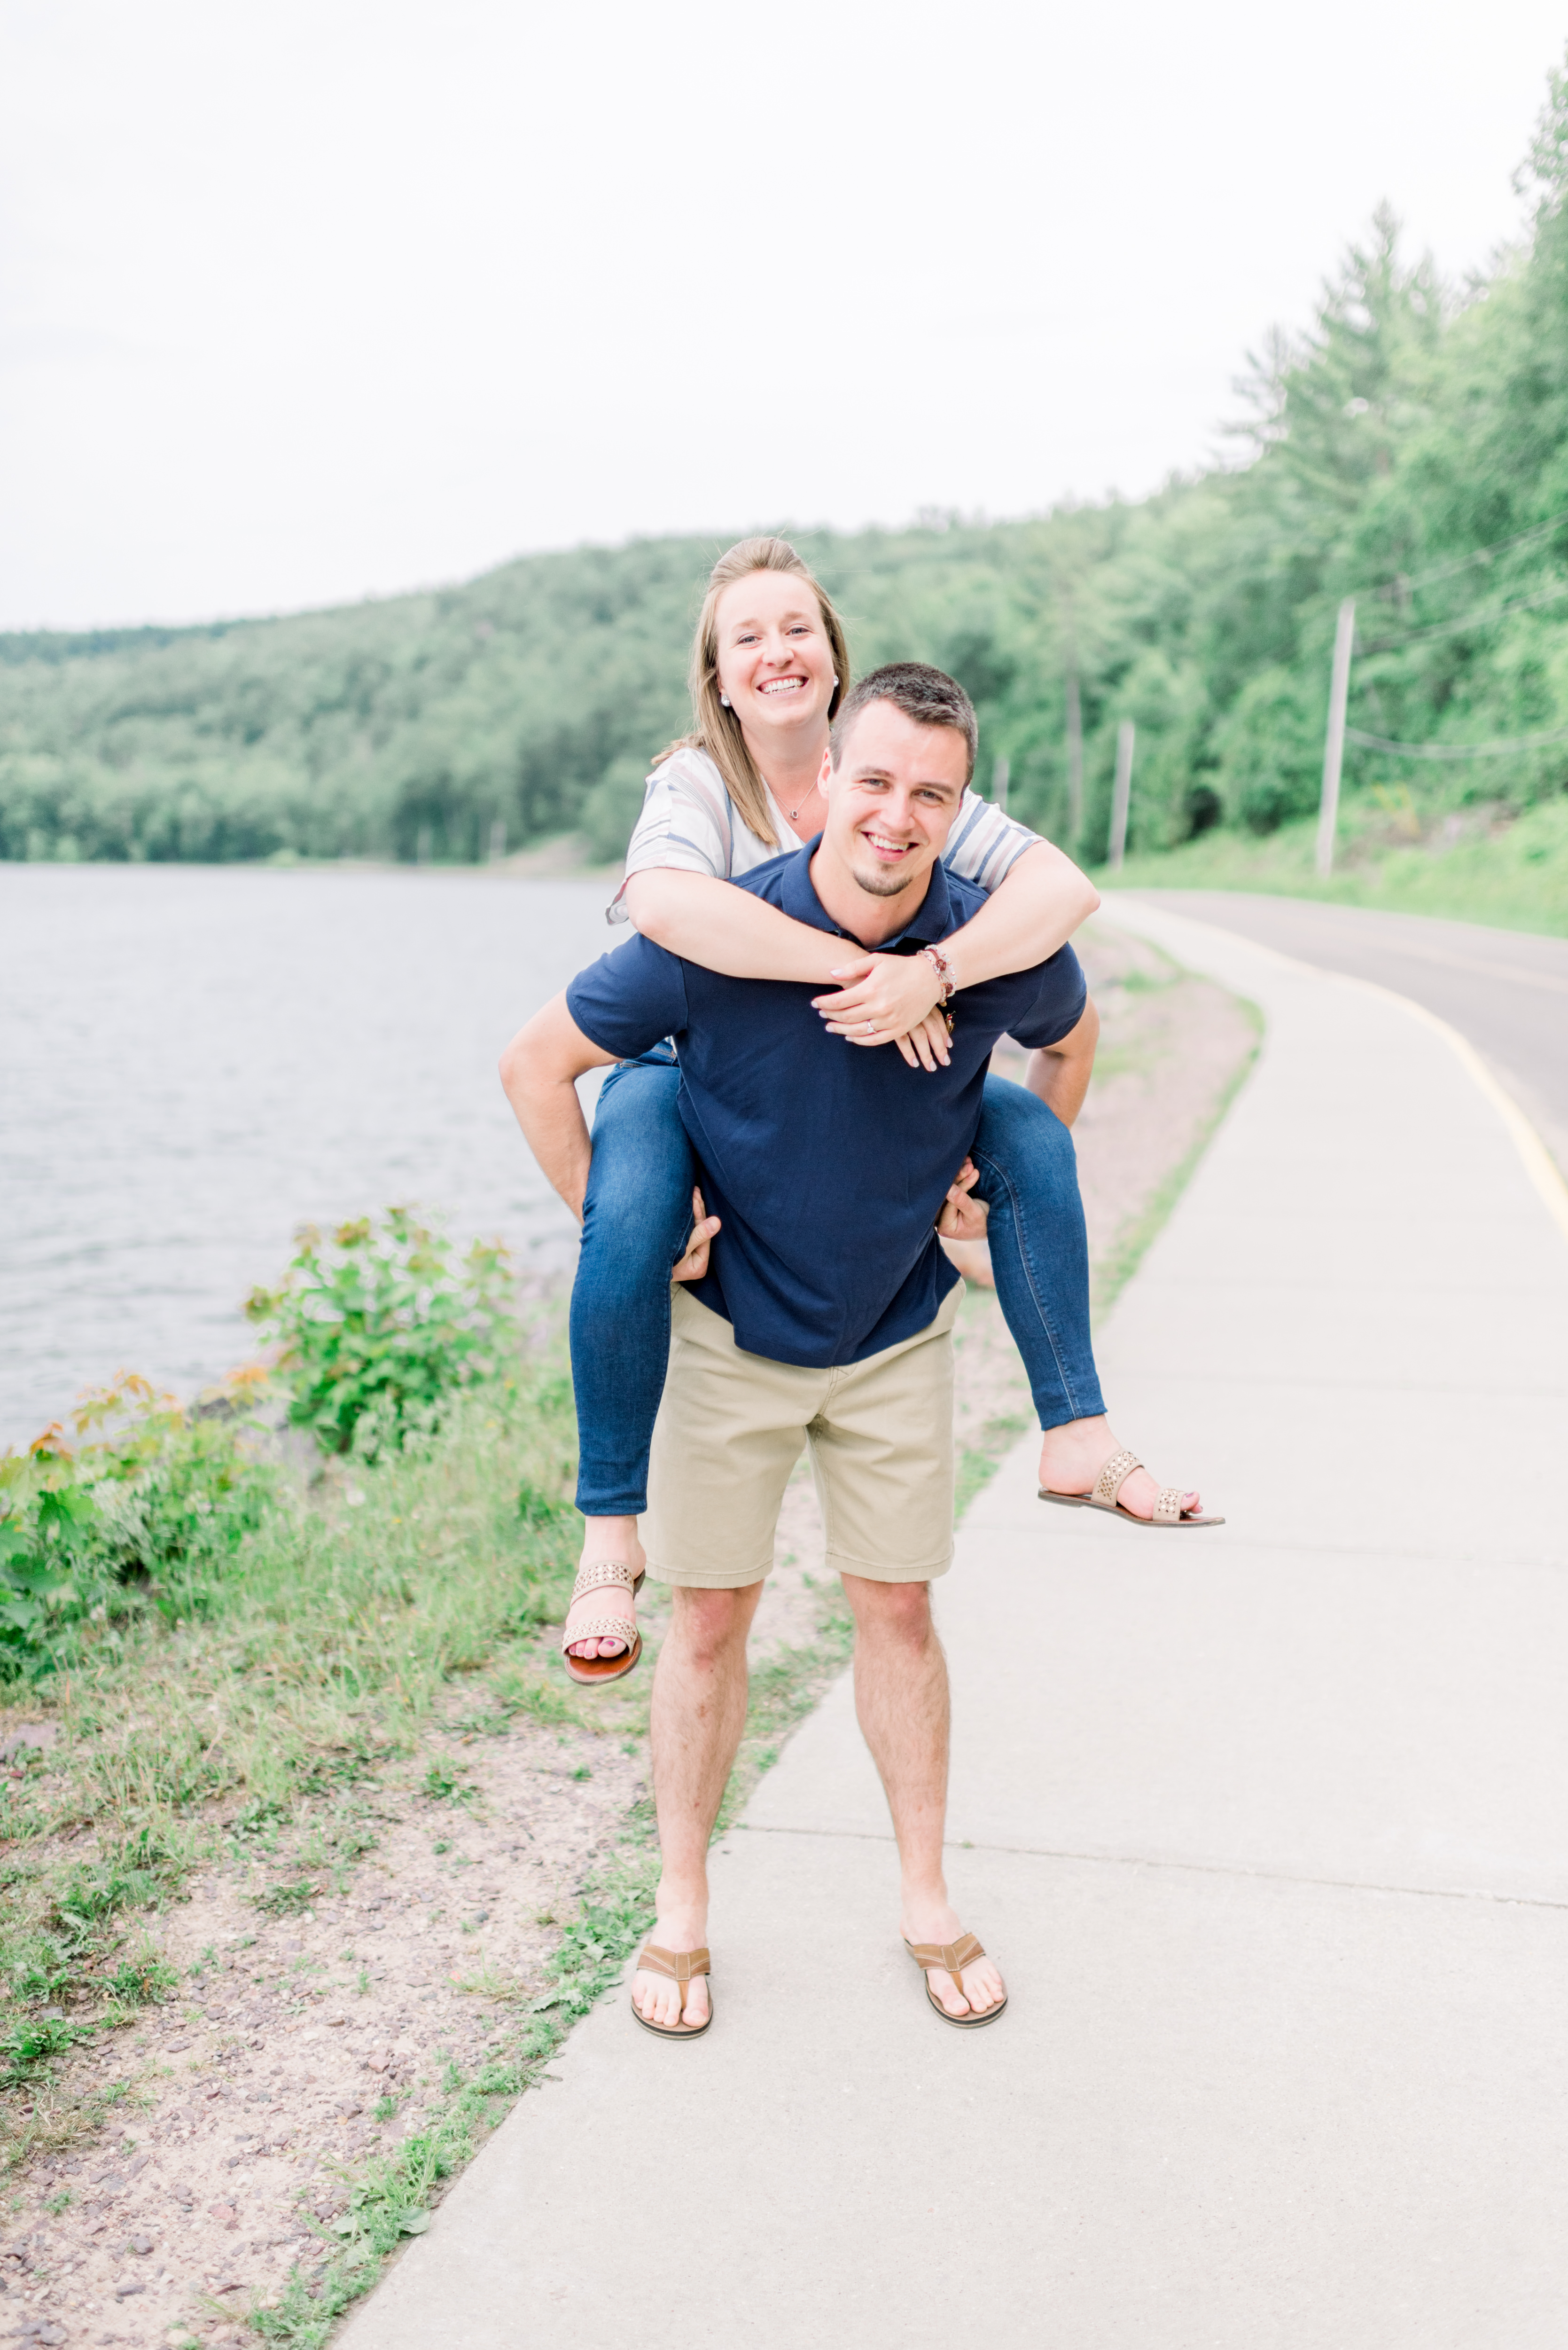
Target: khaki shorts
(731, 1427)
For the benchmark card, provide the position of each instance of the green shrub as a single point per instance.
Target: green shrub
(136, 1513)
(1271, 753)
(378, 1329)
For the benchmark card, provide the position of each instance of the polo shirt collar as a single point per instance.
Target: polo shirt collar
(797, 898)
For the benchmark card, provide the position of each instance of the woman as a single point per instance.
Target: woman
(769, 667)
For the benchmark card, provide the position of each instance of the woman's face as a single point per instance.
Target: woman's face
(774, 661)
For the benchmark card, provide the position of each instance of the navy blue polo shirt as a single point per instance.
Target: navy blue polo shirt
(828, 1161)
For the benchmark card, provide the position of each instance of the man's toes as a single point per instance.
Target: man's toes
(984, 1991)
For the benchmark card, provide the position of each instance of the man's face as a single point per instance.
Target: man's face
(892, 798)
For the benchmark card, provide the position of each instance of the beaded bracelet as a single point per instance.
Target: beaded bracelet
(944, 972)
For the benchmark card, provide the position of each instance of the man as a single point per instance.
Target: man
(823, 1316)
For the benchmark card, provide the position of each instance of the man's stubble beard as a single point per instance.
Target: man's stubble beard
(879, 882)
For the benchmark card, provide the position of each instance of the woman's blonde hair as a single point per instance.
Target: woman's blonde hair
(715, 729)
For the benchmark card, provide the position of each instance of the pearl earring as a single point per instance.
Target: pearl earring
(835, 682)
(725, 700)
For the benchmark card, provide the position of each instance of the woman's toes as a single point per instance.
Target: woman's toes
(588, 1649)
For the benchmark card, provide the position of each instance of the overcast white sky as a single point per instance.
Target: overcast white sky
(324, 299)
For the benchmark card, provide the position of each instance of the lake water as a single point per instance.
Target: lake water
(195, 1060)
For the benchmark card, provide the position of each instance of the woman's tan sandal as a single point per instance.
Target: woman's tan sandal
(680, 1967)
(952, 1958)
(1167, 1509)
(610, 1575)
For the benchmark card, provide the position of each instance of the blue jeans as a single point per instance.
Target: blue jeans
(637, 1214)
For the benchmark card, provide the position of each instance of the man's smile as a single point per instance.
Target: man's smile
(882, 845)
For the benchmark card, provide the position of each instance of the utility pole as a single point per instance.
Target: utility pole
(1075, 760)
(1334, 747)
(1000, 775)
(1121, 794)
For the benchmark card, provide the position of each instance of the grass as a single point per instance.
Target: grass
(1515, 877)
(1110, 1274)
(260, 1725)
(390, 2198)
(263, 1712)
(977, 1463)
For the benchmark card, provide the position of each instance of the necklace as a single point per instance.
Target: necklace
(804, 797)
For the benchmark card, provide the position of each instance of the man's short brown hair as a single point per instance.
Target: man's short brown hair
(926, 695)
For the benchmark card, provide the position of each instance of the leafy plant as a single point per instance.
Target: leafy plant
(141, 1981)
(31, 2042)
(443, 1784)
(135, 1513)
(379, 1329)
(287, 1900)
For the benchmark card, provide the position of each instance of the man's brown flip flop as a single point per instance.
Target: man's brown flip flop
(952, 1957)
(1167, 1509)
(679, 1967)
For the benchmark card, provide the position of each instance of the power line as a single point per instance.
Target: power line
(1465, 562)
(1452, 749)
(1479, 619)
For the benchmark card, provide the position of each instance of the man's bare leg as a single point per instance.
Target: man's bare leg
(699, 1712)
(901, 1699)
(1072, 1457)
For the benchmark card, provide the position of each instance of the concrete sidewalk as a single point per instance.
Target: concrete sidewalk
(1268, 1826)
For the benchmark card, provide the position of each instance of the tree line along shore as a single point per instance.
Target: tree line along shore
(1410, 450)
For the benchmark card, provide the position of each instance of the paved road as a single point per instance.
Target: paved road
(1506, 991)
(1268, 1828)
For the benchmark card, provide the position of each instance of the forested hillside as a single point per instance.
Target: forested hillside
(1411, 450)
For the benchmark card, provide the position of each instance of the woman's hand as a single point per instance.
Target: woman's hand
(693, 1265)
(888, 999)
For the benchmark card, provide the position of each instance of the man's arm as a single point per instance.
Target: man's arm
(1060, 1073)
(539, 1071)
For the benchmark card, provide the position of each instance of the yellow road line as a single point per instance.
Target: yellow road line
(1539, 1164)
